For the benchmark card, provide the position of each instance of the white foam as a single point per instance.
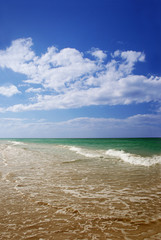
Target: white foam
(16, 143)
(119, 154)
(134, 159)
(84, 152)
(4, 161)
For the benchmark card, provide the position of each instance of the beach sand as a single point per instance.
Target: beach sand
(51, 192)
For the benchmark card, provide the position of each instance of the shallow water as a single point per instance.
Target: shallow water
(51, 191)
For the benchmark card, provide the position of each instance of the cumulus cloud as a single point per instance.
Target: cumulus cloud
(71, 80)
(8, 91)
(97, 53)
(18, 57)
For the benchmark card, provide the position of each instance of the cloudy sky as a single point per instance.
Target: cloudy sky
(86, 68)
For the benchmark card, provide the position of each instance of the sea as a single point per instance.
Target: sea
(73, 189)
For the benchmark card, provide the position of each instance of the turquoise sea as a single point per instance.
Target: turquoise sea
(146, 148)
(143, 146)
(80, 189)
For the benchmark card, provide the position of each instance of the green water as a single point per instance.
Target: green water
(139, 146)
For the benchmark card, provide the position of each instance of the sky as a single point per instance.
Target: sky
(85, 68)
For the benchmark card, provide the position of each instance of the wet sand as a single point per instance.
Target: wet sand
(50, 192)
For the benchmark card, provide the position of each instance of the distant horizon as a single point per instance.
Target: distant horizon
(84, 138)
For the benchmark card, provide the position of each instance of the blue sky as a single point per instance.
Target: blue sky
(80, 68)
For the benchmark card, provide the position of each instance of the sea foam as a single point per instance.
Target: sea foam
(16, 143)
(119, 154)
(84, 152)
(134, 159)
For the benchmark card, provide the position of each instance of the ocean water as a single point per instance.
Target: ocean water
(71, 189)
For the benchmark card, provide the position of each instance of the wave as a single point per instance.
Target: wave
(134, 159)
(119, 154)
(84, 152)
(16, 143)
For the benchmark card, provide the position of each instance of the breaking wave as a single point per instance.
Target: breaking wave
(119, 154)
(134, 159)
(85, 152)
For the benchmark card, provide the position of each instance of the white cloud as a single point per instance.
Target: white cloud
(34, 90)
(74, 80)
(9, 91)
(132, 56)
(99, 54)
(18, 56)
(134, 126)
